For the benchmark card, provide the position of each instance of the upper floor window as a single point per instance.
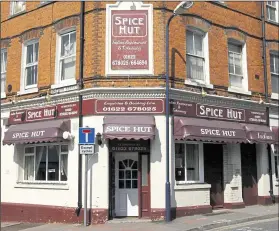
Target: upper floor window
(67, 57)
(3, 70)
(195, 58)
(272, 10)
(274, 71)
(30, 65)
(17, 7)
(235, 65)
(46, 163)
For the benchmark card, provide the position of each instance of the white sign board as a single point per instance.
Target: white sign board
(86, 149)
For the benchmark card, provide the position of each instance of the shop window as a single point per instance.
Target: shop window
(66, 63)
(272, 10)
(46, 163)
(187, 162)
(3, 71)
(274, 71)
(17, 7)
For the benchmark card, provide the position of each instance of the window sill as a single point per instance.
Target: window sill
(272, 22)
(191, 186)
(3, 95)
(198, 84)
(64, 84)
(274, 96)
(239, 91)
(28, 91)
(17, 14)
(42, 185)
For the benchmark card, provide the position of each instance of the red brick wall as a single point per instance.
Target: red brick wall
(217, 17)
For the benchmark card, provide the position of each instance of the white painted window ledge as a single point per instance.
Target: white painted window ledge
(191, 186)
(239, 91)
(28, 91)
(64, 84)
(275, 96)
(42, 185)
(198, 84)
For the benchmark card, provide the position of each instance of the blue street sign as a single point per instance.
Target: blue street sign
(86, 135)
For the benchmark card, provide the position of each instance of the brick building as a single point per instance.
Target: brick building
(223, 123)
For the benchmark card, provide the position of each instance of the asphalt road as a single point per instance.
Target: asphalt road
(262, 225)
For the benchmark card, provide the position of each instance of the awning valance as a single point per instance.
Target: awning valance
(208, 130)
(259, 133)
(275, 130)
(129, 127)
(45, 131)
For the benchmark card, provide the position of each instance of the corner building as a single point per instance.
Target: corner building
(223, 123)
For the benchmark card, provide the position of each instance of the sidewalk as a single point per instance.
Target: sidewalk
(191, 223)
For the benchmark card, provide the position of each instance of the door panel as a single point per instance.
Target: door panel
(249, 174)
(144, 185)
(126, 184)
(213, 173)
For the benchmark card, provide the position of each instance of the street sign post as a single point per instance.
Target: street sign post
(86, 147)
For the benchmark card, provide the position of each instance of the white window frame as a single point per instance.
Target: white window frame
(201, 163)
(4, 72)
(276, 8)
(205, 45)
(273, 94)
(34, 154)
(276, 155)
(245, 87)
(58, 82)
(34, 87)
(12, 7)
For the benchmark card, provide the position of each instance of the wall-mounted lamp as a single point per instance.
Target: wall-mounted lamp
(48, 97)
(99, 138)
(261, 100)
(68, 136)
(13, 100)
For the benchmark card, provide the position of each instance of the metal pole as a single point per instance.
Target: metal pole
(167, 184)
(85, 188)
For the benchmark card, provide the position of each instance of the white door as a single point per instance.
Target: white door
(126, 184)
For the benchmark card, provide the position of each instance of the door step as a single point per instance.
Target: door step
(118, 220)
(218, 212)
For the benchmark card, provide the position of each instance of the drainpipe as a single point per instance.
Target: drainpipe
(266, 99)
(80, 118)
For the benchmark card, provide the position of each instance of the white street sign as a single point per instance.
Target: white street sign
(86, 149)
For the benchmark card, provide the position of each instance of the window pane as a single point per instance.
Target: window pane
(36, 52)
(53, 162)
(18, 6)
(231, 63)
(235, 81)
(144, 170)
(68, 68)
(31, 75)
(195, 68)
(271, 14)
(40, 165)
(29, 54)
(192, 159)
(64, 148)
(179, 162)
(29, 168)
(237, 61)
(64, 45)
(3, 61)
(189, 42)
(29, 150)
(64, 167)
(198, 45)
(275, 83)
(235, 48)
(73, 43)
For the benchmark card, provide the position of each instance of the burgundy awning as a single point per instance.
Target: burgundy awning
(259, 133)
(208, 130)
(45, 131)
(129, 127)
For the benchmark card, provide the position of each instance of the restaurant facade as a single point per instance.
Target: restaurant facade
(218, 156)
